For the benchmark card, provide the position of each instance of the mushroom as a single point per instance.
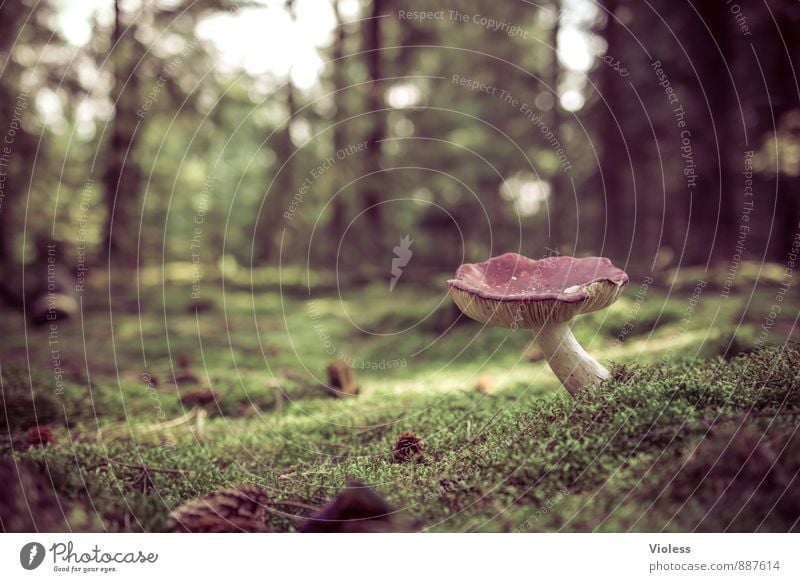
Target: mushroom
(513, 291)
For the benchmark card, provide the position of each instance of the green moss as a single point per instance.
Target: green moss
(32, 397)
(490, 463)
(524, 457)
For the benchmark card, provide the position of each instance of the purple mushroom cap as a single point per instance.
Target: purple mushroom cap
(512, 290)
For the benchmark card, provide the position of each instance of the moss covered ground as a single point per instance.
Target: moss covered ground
(697, 430)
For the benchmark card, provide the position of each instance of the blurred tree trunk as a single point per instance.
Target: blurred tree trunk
(16, 164)
(561, 229)
(771, 105)
(613, 161)
(338, 221)
(374, 155)
(786, 101)
(284, 187)
(122, 176)
(712, 201)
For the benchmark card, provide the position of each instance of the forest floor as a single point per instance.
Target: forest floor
(697, 430)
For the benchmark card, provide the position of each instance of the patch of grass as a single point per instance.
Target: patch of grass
(41, 397)
(523, 457)
(490, 463)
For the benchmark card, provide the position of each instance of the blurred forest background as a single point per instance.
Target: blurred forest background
(133, 117)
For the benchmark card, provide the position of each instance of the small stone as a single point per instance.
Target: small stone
(534, 354)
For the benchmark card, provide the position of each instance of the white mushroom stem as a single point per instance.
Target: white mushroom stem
(569, 361)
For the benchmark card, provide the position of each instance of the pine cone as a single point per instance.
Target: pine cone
(184, 361)
(199, 397)
(200, 306)
(407, 446)
(358, 509)
(242, 508)
(186, 377)
(341, 379)
(40, 435)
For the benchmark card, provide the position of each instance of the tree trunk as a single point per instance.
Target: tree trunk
(613, 161)
(338, 221)
(372, 195)
(122, 177)
(788, 22)
(283, 188)
(15, 166)
(560, 229)
(712, 201)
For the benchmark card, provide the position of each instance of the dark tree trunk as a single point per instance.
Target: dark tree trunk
(788, 217)
(339, 204)
(561, 232)
(122, 177)
(788, 192)
(17, 164)
(372, 195)
(270, 222)
(713, 144)
(614, 162)
(51, 295)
